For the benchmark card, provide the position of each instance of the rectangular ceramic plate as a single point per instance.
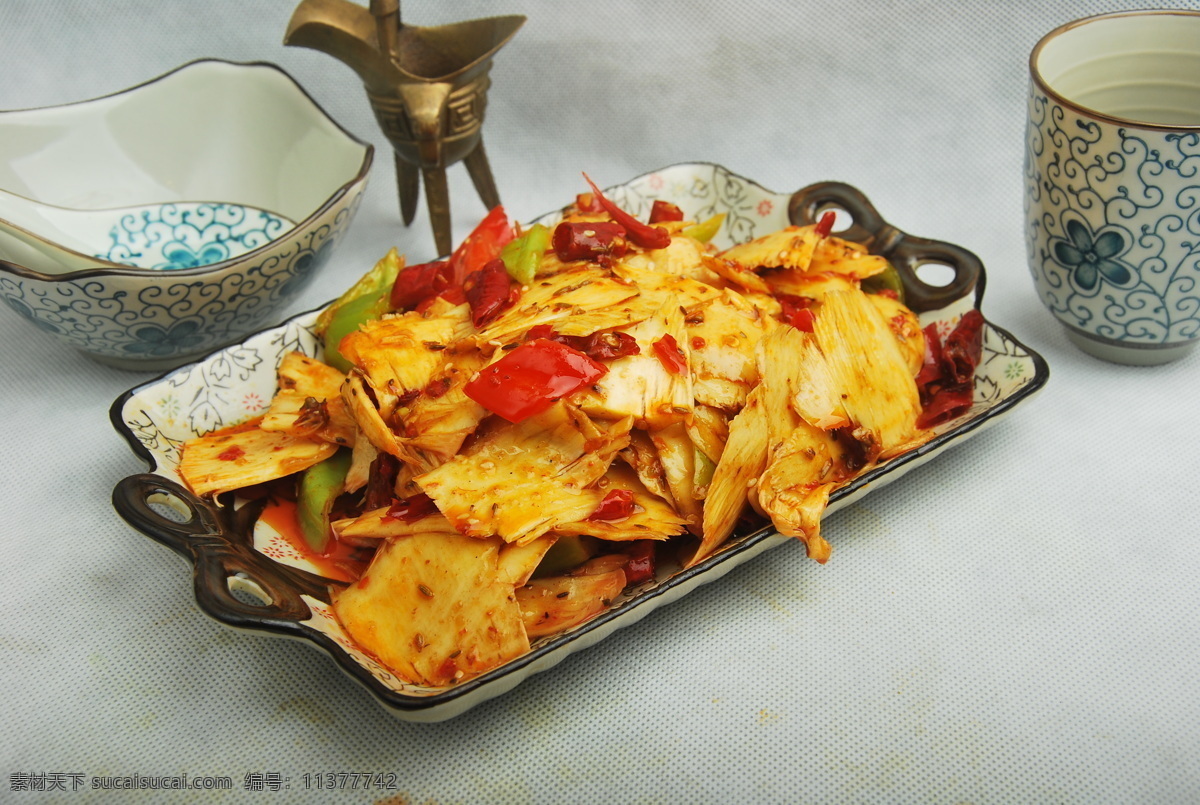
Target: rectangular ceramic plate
(249, 577)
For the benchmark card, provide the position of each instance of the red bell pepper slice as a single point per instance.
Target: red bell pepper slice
(667, 350)
(644, 235)
(531, 377)
(483, 245)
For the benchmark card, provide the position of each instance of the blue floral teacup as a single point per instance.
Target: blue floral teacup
(1112, 183)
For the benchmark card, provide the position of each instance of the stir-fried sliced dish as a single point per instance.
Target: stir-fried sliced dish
(523, 434)
(519, 481)
(433, 608)
(241, 457)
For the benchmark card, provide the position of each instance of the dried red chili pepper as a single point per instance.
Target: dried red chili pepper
(589, 240)
(797, 311)
(489, 292)
(600, 346)
(437, 387)
(418, 285)
(946, 382)
(587, 203)
(415, 284)
(825, 225)
(410, 510)
(945, 404)
(381, 481)
(617, 505)
(609, 346)
(644, 235)
(642, 564)
(662, 210)
(313, 415)
(452, 294)
(964, 346)
(931, 365)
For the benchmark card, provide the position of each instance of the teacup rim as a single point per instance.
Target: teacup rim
(1036, 76)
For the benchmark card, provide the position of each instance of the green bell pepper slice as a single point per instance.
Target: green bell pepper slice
(567, 552)
(705, 230)
(367, 299)
(523, 255)
(702, 474)
(319, 487)
(886, 280)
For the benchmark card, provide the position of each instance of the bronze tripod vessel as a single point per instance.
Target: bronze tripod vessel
(427, 86)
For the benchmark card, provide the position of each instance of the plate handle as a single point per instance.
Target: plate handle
(221, 557)
(906, 252)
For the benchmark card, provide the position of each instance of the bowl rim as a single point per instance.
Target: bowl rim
(105, 268)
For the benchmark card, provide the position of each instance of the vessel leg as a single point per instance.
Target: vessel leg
(481, 176)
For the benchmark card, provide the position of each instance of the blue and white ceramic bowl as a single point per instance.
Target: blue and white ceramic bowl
(251, 186)
(1112, 183)
(178, 235)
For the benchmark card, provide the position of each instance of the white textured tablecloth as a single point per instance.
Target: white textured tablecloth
(1017, 621)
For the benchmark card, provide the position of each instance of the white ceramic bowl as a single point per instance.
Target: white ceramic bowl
(209, 131)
